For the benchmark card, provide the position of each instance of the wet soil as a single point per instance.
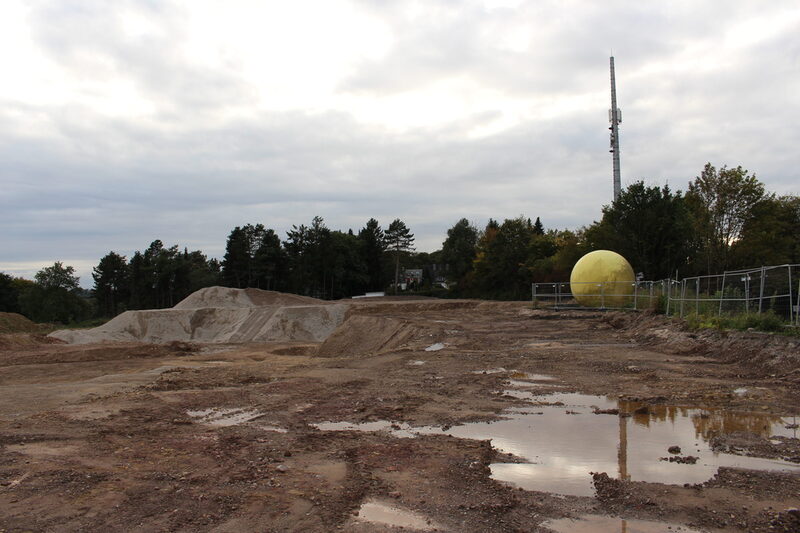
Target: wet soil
(135, 437)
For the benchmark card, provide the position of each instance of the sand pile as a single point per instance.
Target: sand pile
(368, 335)
(221, 315)
(227, 297)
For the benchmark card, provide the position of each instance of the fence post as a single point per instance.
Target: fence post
(635, 294)
(761, 291)
(697, 296)
(558, 294)
(683, 294)
(791, 300)
(721, 294)
(669, 292)
(602, 295)
(797, 311)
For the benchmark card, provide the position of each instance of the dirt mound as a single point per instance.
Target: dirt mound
(367, 335)
(765, 351)
(24, 340)
(312, 323)
(221, 315)
(228, 297)
(16, 323)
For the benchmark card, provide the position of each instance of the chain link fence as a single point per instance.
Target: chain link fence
(768, 289)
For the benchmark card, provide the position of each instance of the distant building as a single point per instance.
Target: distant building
(412, 275)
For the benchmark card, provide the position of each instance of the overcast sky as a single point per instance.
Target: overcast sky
(127, 121)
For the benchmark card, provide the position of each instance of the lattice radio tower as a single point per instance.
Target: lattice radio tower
(615, 117)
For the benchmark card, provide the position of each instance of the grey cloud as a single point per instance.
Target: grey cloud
(100, 183)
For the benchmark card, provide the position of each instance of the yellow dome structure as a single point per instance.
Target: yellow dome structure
(602, 279)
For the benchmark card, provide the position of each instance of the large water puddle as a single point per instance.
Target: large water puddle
(381, 513)
(562, 437)
(608, 524)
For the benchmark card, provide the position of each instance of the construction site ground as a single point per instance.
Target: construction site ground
(222, 437)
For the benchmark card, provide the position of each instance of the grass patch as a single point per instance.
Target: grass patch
(768, 321)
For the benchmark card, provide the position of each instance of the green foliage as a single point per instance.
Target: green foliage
(111, 284)
(373, 247)
(57, 276)
(720, 203)
(458, 250)
(54, 297)
(649, 226)
(769, 235)
(9, 294)
(507, 255)
(398, 239)
(767, 321)
(161, 277)
(253, 258)
(347, 272)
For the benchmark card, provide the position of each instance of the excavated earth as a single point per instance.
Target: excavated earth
(221, 424)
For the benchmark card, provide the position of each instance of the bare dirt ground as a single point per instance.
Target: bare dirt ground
(190, 437)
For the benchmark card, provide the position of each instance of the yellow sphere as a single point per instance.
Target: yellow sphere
(602, 279)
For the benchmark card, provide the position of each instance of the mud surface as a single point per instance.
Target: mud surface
(238, 437)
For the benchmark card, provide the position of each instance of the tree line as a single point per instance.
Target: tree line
(724, 220)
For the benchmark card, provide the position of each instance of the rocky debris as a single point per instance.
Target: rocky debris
(684, 460)
(606, 411)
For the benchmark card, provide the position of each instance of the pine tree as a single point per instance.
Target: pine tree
(398, 239)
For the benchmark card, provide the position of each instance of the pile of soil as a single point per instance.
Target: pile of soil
(771, 353)
(227, 297)
(16, 323)
(367, 335)
(232, 315)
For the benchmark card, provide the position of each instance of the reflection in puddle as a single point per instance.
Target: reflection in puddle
(381, 513)
(564, 440)
(608, 524)
(629, 446)
(224, 417)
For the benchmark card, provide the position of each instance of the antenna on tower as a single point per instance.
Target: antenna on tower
(615, 117)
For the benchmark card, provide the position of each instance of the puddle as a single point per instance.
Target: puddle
(624, 447)
(608, 524)
(497, 370)
(415, 363)
(435, 347)
(224, 417)
(534, 377)
(741, 391)
(563, 440)
(382, 513)
(275, 429)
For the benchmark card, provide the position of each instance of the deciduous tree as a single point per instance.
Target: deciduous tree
(721, 201)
